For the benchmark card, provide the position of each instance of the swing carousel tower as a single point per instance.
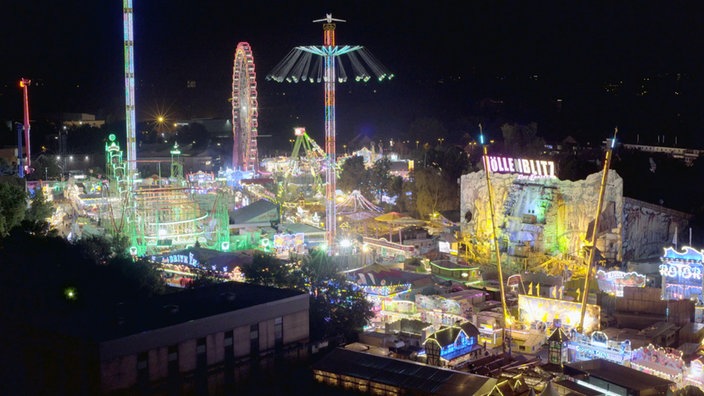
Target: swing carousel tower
(298, 65)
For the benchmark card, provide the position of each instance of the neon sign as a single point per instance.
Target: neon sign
(521, 166)
(680, 271)
(188, 259)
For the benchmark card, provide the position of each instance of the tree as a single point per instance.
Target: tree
(45, 167)
(433, 192)
(6, 168)
(267, 270)
(337, 307)
(454, 162)
(97, 249)
(522, 140)
(12, 205)
(379, 178)
(39, 208)
(354, 176)
(39, 269)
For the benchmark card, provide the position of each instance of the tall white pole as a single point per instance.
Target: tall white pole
(130, 122)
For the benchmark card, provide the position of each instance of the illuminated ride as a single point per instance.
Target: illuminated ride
(130, 117)
(356, 203)
(299, 65)
(26, 168)
(161, 214)
(244, 110)
(303, 170)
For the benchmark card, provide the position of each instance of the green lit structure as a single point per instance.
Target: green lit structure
(302, 175)
(163, 214)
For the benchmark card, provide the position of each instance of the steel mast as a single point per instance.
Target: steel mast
(595, 229)
(490, 190)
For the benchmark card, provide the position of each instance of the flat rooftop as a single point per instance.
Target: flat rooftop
(133, 317)
(583, 390)
(616, 374)
(404, 374)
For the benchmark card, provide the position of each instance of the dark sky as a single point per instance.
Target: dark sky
(449, 58)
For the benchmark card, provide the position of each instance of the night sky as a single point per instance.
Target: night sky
(636, 65)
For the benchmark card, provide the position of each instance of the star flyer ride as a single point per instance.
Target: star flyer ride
(299, 66)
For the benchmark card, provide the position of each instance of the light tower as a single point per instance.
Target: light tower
(297, 66)
(130, 122)
(24, 84)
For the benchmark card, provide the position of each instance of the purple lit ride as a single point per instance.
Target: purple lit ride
(244, 110)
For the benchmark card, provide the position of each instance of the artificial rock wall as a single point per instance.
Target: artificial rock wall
(552, 216)
(545, 214)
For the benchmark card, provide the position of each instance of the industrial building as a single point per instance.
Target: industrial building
(184, 341)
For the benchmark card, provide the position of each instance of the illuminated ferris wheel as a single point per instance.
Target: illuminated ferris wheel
(244, 110)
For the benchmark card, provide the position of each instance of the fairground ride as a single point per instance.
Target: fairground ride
(27, 166)
(298, 66)
(301, 178)
(161, 214)
(130, 112)
(244, 110)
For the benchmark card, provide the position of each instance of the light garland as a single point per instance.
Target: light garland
(386, 290)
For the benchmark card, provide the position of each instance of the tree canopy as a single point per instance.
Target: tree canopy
(38, 272)
(13, 204)
(337, 306)
(354, 176)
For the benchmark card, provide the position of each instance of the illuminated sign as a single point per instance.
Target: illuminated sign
(689, 255)
(613, 282)
(188, 259)
(680, 271)
(533, 309)
(521, 166)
